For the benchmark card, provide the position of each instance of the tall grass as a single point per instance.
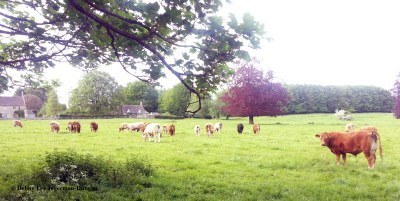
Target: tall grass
(284, 162)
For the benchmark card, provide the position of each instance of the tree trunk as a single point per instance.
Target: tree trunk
(251, 120)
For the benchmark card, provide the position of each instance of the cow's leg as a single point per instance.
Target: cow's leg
(337, 159)
(344, 158)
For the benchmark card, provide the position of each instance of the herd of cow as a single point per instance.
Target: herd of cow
(340, 143)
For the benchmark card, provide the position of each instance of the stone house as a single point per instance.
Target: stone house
(10, 104)
(134, 111)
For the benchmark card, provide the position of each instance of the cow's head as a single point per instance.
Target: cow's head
(324, 137)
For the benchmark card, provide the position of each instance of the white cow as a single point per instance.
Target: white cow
(217, 127)
(152, 131)
(197, 130)
(349, 127)
(134, 126)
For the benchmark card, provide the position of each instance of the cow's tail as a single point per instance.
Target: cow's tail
(380, 145)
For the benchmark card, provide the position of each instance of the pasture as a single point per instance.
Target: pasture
(284, 162)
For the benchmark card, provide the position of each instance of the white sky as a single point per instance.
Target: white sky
(341, 42)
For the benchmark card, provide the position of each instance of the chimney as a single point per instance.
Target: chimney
(23, 98)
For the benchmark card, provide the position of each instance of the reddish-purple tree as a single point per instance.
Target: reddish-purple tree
(253, 93)
(33, 103)
(396, 93)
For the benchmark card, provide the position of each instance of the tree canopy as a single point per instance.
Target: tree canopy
(253, 93)
(52, 106)
(135, 92)
(187, 38)
(327, 99)
(174, 100)
(396, 93)
(33, 103)
(97, 93)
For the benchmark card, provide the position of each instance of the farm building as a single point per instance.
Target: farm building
(10, 104)
(134, 111)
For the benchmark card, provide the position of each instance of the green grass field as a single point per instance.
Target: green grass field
(284, 162)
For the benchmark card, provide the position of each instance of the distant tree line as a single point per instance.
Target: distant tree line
(99, 94)
(326, 99)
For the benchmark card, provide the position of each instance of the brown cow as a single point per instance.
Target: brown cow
(171, 129)
(74, 127)
(123, 126)
(341, 143)
(143, 127)
(69, 126)
(209, 129)
(256, 128)
(94, 126)
(54, 127)
(17, 123)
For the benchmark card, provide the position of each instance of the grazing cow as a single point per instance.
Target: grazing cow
(349, 127)
(54, 127)
(218, 127)
(171, 129)
(123, 126)
(134, 126)
(152, 131)
(17, 123)
(352, 142)
(197, 130)
(240, 128)
(94, 126)
(256, 128)
(209, 129)
(74, 127)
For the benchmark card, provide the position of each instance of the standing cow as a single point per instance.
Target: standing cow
(197, 130)
(94, 126)
(349, 127)
(256, 128)
(218, 127)
(171, 129)
(240, 128)
(152, 131)
(209, 129)
(352, 142)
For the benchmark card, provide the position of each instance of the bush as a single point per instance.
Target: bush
(169, 117)
(98, 176)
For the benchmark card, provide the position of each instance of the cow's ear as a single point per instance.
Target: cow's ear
(317, 135)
